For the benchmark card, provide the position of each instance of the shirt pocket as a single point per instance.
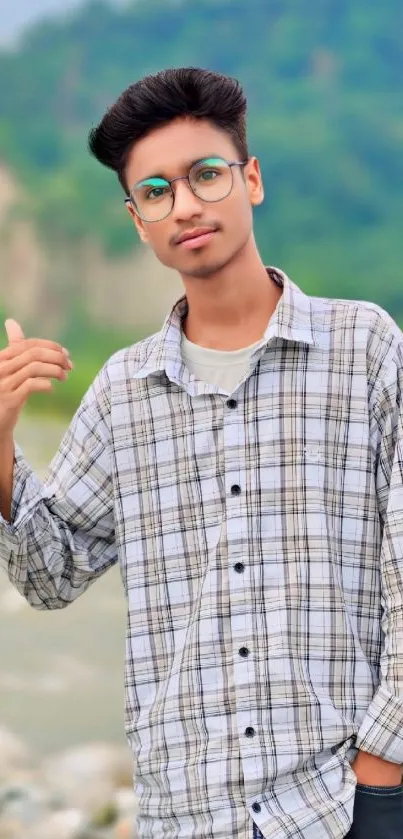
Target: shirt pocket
(331, 475)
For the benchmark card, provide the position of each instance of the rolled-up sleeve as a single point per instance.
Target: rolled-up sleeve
(381, 731)
(61, 536)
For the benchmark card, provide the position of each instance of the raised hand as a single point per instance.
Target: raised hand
(27, 365)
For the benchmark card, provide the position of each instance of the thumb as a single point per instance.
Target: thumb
(14, 331)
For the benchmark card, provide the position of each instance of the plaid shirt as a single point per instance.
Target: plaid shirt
(260, 540)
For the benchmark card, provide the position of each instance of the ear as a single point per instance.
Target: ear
(254, 182)
(137, 221)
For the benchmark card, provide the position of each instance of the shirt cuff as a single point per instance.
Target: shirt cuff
(381, 731)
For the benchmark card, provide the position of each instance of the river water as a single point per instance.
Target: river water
(61, 672)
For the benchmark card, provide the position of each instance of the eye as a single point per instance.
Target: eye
(208, 174)
(151, 189)
(156, 192)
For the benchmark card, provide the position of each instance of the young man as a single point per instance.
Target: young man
(244, 467)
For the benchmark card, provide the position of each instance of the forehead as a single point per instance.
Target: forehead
(170, 149)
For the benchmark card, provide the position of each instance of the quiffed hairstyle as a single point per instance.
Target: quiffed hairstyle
(158, 99)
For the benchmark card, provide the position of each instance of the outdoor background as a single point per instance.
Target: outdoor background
(324, 81)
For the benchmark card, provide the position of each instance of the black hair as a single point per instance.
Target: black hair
(158, 99)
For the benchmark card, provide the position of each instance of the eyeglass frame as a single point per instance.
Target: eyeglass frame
(129, 200)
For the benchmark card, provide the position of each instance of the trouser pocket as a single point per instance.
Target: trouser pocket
(378, 812)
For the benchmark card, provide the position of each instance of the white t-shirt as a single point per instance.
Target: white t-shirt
(225, 368)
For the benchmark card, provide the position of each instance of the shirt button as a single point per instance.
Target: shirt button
(235, 489)
(239, 567)
(244, 652)
(249, 731)
(256, 807)
(232, 403)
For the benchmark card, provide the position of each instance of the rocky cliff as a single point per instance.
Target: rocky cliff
(39, 280)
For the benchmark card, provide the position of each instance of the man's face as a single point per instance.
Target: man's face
(168, 152)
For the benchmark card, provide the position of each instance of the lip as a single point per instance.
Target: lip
(195, 238)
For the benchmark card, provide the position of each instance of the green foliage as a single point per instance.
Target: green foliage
(324, 85)
(90, 346)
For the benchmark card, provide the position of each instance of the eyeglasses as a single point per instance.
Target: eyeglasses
(210, 179)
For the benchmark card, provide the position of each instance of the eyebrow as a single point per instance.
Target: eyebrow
(186, 166)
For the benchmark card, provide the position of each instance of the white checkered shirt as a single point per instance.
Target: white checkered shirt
(260, 540)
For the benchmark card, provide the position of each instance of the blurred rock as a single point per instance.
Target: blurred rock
(87, 776)
(20, 808)
(10, 829)
(66, 824)
(125, 800)
(83, 793)
(15, 757)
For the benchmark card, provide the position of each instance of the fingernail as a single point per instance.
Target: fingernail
(66, 351)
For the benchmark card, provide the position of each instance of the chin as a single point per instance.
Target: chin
(204, 269)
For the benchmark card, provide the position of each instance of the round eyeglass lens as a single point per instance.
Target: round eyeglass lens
(153, 199)
(211, 179)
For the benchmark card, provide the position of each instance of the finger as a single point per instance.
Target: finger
(36, 370)
(35, 355)
(32, 386)
(14, 349)
(14, 331)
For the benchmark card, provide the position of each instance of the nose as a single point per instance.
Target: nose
(186, 204)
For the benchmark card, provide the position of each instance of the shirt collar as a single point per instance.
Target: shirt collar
(292, 320)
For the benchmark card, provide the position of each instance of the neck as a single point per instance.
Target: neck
(231, 309)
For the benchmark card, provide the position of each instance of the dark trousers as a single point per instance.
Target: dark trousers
(378, 814)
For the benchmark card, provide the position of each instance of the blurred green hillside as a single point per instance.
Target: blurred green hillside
(324, 83)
